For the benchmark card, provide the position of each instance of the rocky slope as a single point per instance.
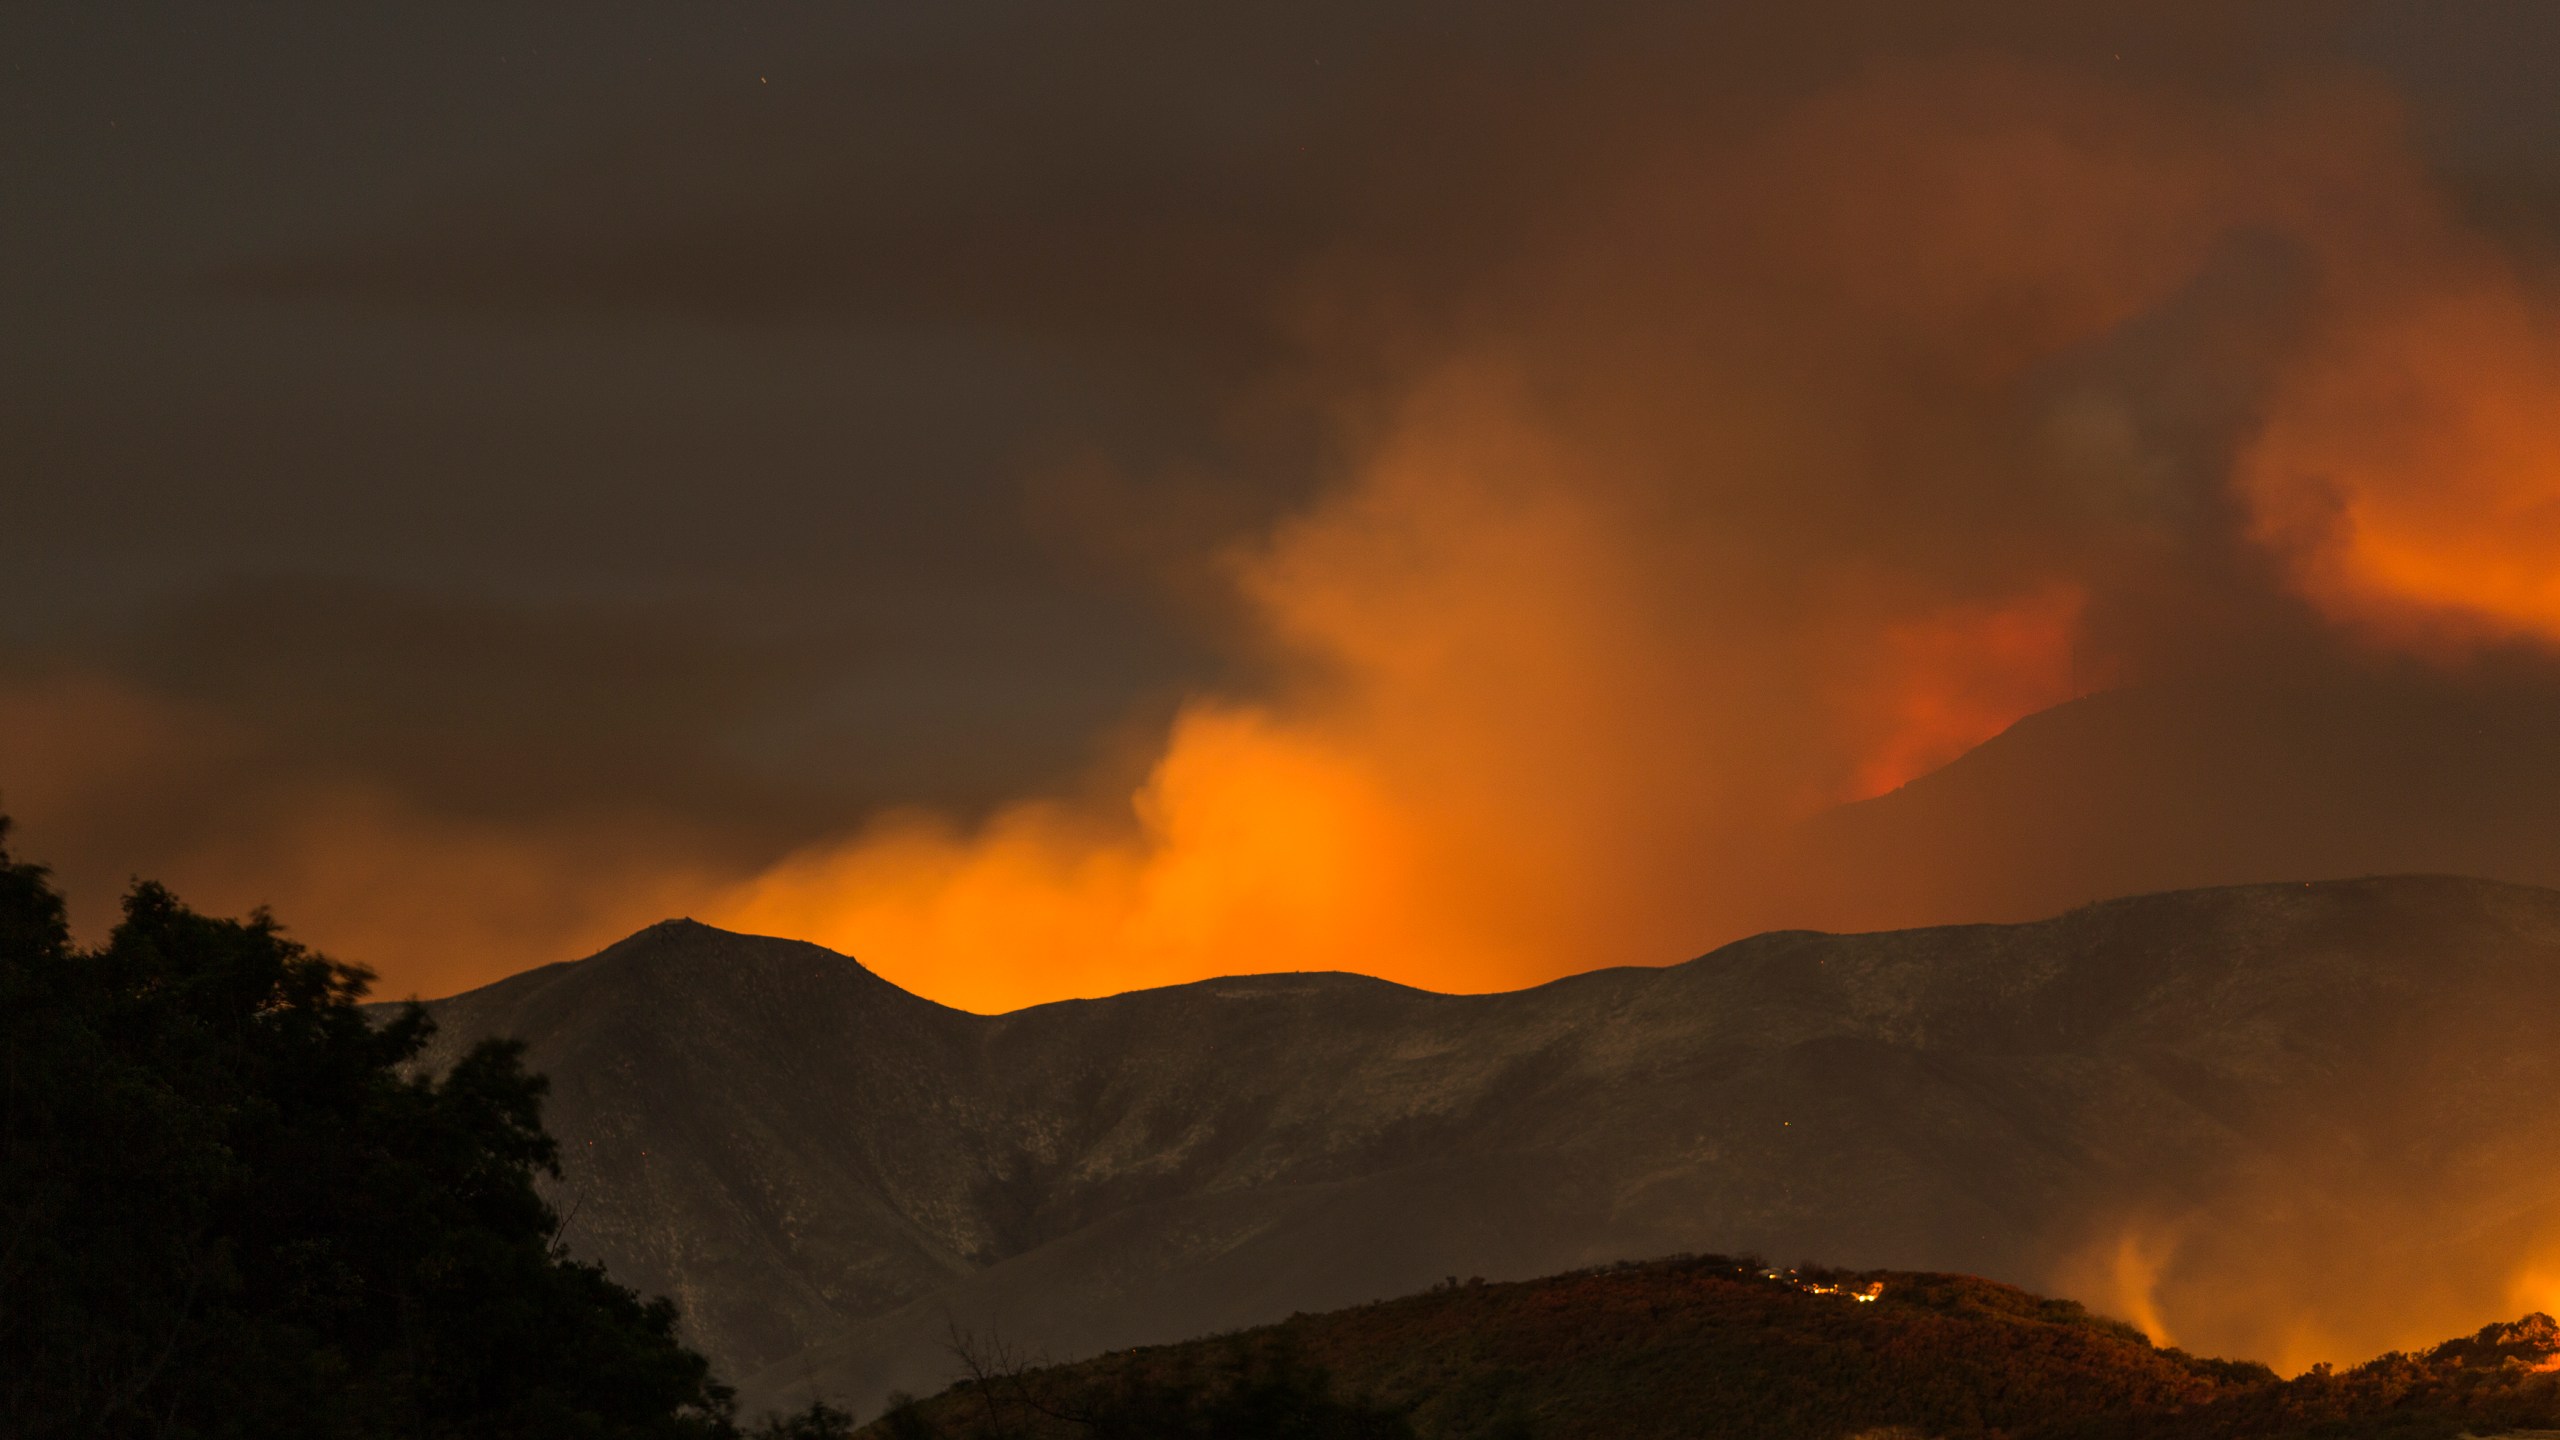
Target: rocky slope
(2190, 1104)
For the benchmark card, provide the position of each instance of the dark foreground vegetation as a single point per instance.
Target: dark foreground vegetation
(2503, 1380)
(228, 1209)
(1717, 1347)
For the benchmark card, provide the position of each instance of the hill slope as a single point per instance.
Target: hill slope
(1713, 1347)
(2195, 1101)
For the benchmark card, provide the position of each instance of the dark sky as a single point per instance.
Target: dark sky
(550, 407)
(573, 456)
(325, 398)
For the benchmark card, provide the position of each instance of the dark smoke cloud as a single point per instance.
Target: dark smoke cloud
(715, 436)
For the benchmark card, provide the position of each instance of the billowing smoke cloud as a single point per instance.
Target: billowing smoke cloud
(1765, 466)
(2409, 468)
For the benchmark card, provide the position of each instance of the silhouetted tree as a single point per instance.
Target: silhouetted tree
(821, 1421)
(228, 1209)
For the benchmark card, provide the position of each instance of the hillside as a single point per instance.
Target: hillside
(2180, 1107)
(1711, 1347)
(1685, 1348)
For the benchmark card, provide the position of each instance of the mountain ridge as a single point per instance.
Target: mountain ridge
(823, 1168)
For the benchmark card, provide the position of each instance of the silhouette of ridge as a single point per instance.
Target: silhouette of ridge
(826, 1170)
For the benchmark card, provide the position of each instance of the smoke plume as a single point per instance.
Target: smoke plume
(1765, 465)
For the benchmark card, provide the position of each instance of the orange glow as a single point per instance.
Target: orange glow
(2412, 471)
(1407, 812)
(1556, 666)
(436, 904)
(1248, 842)
(1502, 762)
(2259, 1273)
(1954, 679)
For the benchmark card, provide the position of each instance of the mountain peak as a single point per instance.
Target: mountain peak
(684, 946)
(685, 927)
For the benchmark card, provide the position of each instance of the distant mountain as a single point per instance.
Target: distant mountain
(2137, 791)
(2261, 1110)
(1711, 1347)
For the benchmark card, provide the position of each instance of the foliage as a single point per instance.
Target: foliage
(821, 1421)
(228, 1209)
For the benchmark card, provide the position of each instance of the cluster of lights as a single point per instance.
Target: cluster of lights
(1874, 1289)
